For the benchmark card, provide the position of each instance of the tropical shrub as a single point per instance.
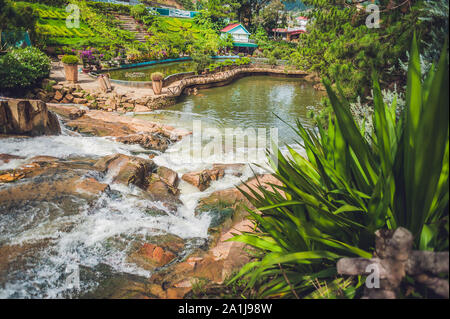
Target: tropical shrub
(201, 60)
(70, 59)
(21, 68)
(110, 7)
(138, 11)
(157, 76)
(331, 203)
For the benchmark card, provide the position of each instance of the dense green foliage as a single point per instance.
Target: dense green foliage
(138, 11)
(216, 14)
(20, 68)
(220, 66)
(70, 59)
(434, 15)
(331, 203)
(13, 17)
(109, 7)
(341, 47)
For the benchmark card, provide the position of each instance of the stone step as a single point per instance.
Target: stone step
(129, 24)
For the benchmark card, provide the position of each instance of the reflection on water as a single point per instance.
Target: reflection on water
(143, 74)
(252, 102)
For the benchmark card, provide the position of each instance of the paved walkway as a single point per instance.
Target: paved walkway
(90, 84)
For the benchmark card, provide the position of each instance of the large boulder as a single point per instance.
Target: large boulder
(27, 117)
(157, 252)
(127, 170)
(203, 179)
(163, 187)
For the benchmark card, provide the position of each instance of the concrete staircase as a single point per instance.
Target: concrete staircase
(128, 23)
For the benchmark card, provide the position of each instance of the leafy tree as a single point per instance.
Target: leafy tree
(16, 18)
(216, 13)
(271, 15)
(340, 46)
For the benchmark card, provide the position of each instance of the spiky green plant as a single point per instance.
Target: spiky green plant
(331, 203)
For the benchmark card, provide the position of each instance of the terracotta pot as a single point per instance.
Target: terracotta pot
(71, 72)
(157, 87)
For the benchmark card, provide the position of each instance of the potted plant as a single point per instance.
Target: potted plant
(70, 67)
(157, 82)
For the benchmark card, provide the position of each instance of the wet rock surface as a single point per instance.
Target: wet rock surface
(126, 170)
(46, 188)
(123, 129)
(153, 141)
(27, 117)
(203, 179)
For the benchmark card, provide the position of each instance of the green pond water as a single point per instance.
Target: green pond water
(143, 74)
(251, 102)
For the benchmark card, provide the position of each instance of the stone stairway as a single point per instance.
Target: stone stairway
(128, 23)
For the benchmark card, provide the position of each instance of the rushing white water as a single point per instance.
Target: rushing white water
(102, 233)
(75, 233)
(63, 146)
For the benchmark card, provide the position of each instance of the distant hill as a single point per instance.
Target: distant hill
(294, 6)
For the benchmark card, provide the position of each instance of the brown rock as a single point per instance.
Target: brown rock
(158, 254)
(177, 293)
(91, 186)
(160, 191)
(76, 113)
(141, 108)
(78, 94)
(43, 159)
(148, 249)
(27, 117)
(43, 96)
(58, 95)
(101, 123)
(168, 176)
(234, 169)
(202, 180)
(151, 256)
(79, 101)
(127, 170)
(154, 141)
(142, 101)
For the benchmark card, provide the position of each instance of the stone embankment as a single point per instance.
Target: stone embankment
(131, 99)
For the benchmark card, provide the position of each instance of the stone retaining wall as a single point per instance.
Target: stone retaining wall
(129, 101)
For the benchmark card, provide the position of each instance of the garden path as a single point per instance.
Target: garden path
(128, 23)
(90, 84)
